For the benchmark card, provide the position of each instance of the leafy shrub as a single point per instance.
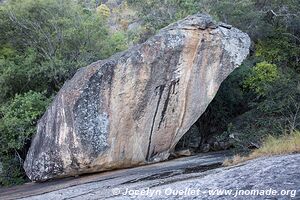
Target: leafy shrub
(279, 48)
(276, 113)
(19, 73)
(17, 125)
(261, 76)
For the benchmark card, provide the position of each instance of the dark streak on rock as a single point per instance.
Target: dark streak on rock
(161, 90)
(165, 107)
(163, 113)
(162, 67)
(174, 85)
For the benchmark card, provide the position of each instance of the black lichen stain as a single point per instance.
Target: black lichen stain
(91, 122)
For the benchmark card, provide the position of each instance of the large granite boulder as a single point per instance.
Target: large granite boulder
(133, 108)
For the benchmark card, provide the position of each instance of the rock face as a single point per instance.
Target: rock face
(133, 108)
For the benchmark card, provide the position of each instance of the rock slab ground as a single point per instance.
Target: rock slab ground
(202, 172)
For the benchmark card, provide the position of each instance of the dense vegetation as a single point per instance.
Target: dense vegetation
(44, 42)
(264, 95)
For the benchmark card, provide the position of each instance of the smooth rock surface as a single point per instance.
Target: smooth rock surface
(201, 172)
(133, 108)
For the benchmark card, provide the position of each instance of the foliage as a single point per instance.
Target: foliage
(279, 48)
(12, 170)
(55, 38)
(17, 125)
(261, 76)
(18, 72)
(276, 113)
(103, 10)
(158, 14)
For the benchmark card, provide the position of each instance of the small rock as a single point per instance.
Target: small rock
(185, 152)
(222, 145)
(216, 146)
(205, 148)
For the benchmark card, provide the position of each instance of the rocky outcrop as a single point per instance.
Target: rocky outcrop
(133, 108)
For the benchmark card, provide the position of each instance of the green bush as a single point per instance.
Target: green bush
(279, 48)
(277, 113)
(17, 125)
(261, 77)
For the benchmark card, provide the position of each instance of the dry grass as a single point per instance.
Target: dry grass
(272, 146)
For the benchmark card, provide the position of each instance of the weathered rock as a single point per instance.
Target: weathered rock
(133, 108)
(205, 148)
(185, 152)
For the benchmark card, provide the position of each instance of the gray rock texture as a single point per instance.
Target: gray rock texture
(202, 172)
(134, 107)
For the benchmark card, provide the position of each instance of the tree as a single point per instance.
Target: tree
(17, 125)
(55, 37)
